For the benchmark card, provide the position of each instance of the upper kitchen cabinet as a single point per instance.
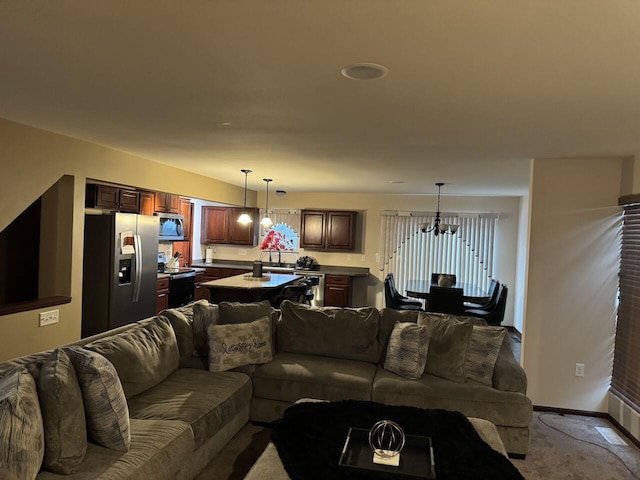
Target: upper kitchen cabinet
(328, 230)
(166, 202)
(220, 225)
(147, 203)
(185, 208)
(112, 198)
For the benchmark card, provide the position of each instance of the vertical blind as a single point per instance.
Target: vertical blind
(625, 381)
(410, 254)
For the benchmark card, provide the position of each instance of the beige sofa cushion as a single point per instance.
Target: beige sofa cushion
(204, 400)
(346, 333)
(292, 376)
(143, 355)
(158, 451)
(65, 429)
(448, 344)
(21, 430)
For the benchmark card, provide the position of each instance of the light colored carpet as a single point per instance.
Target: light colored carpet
(553, 455)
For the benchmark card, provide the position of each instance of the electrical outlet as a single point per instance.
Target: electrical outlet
(242, 251)
(50, 317)
(377, 258)
(349, 258)
(363, 258)
(579, 369)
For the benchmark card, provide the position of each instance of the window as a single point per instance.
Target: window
(625, 382)
(283, 236)
(409, 253)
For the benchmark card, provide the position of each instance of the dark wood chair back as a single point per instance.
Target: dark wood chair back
(446, 300)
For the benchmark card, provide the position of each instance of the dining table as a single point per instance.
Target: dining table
(246, 288)
(470, 291)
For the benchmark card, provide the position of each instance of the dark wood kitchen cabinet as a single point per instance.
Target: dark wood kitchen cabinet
(162, 294)
(337, 290)
(220, 225)
(147, 203)
(185, 208)
(112, 198)
(166, 202)
(328, 230)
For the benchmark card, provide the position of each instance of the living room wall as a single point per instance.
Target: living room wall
(33, 161)
(572, 281)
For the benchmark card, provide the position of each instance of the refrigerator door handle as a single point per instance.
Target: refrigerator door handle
(138, 279)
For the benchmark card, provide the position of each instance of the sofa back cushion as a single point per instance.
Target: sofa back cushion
(182, 319)
(143, 356)
(348, 333)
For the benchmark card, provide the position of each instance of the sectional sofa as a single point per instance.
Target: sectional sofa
(178, 414)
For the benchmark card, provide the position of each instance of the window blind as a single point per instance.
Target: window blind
(409, 253)
(625, 381)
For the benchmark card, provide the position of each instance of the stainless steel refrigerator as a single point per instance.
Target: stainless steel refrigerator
(119, 270)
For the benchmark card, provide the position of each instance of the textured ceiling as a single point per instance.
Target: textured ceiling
(475, 88)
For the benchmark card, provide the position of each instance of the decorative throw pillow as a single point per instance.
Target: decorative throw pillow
(204, 315)
(484, 347)
(105, 405)
(448, 344)
(21, 429)
(407, 350)
(65, 430)
(239, 344)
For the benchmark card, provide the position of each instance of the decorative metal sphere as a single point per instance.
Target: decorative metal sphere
(386, 438)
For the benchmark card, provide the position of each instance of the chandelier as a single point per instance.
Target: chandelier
(437, 227)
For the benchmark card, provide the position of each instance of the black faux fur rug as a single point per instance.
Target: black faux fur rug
(310, 437)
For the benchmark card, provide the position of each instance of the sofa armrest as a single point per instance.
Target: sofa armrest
(508, 374)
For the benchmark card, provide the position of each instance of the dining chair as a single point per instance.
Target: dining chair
(296, 293)
(494, 316)
(393, 299)
(446, 300)
(491, 299)
(443, 279)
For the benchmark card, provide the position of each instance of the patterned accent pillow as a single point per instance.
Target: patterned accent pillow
(204, 315)
(105, 405)
(239, 344)
(448, 344)
(21, 429)
(407, 350)
(484, 347)
(65, 430)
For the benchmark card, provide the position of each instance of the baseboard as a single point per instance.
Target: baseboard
(586, 413)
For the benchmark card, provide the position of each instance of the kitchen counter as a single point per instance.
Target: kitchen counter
(286, 268)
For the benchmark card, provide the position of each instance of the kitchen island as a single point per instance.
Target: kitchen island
(339, 286)
(246, 288)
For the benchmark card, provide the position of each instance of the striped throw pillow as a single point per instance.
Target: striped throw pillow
(482, 354)
(407, 350)
(105, 404)
(65, 430)
(21, 430)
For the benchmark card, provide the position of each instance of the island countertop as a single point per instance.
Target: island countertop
(285, 268)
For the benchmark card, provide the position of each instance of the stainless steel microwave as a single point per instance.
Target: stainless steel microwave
(171, 226)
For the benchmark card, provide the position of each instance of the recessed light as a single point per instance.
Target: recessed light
(397, 181)
(364, 71)
(226, 124)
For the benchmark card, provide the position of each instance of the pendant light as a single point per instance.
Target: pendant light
(439, 228)
(245, 218)
(266, 221)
